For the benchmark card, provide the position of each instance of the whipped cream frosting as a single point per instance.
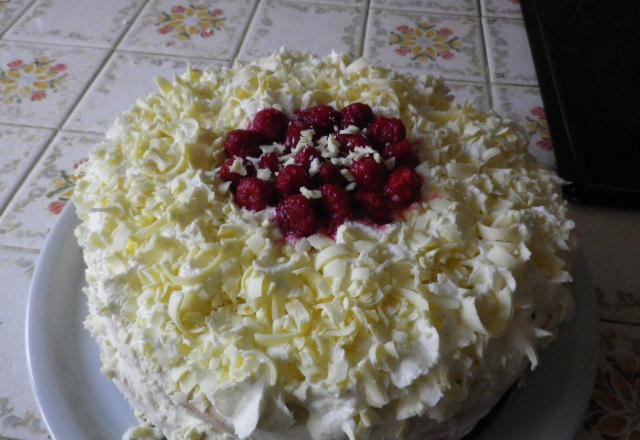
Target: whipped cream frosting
(213, 326)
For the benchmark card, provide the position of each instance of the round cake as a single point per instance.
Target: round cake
(304, 248)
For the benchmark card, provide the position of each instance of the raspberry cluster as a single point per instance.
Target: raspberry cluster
(322, 167)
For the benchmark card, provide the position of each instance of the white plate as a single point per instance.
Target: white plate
(78, 402)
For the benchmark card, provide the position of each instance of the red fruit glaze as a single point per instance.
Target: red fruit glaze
(372, 204)
(349, 142)
(271, 124)
(306, 155)
(243, 143)
(336, 201)
(291, 178)
(368, 173)
(387, 130)
(329, 173)
(229, 176)
(293, 135)
(270, 161)
(403, 153)
(321, 117)
(253, 193)
(296, 216)
(402, 187)
(357, 114)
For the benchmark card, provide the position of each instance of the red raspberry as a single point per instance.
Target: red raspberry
(368, 173)
(372, 204)
(229, 176)
(253, 193)
(293, 135)
(349, 142)
(296, 215)
(329, 173)
(336, 201)
(403, 153)
(270, 161)
(243, 143)
(403, 186)
(357, 114)
(306, 155)
(271, 124)
(387, 130)
(291, 178)
(321, 117)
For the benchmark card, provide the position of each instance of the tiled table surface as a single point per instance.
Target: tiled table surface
(68, 67)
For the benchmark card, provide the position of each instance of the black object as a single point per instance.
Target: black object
(587, 58)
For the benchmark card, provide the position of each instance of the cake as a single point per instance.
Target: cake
(234, 298)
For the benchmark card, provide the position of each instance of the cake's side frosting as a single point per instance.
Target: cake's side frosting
(211, 324)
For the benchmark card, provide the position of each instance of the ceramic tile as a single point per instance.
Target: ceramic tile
(476, 94)
(19, 417)
(34, 209)
(444, 45)
(205, 28)
(613, 412)
(501, 8)
(467, 7)
(337, 2)
(19, 146)
(617, 281)
(40, 84)
(50, 21)
(125, 78)
(508, 52)
(303, 27)
(9, 11)
(524, 106)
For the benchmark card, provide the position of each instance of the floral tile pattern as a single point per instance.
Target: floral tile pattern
(199, 28)
(501, 8)
(30, 215)
(467, 7)
(40, 84)
(299, 27)
(445, 45)
(9, 11)
(19, 416)
(125, 77)
(101, 25)
(524, 106)
(508, 52)
(614, 410)
(19, 146)
(476, 94)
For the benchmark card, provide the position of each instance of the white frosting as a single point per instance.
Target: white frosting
(212, 326)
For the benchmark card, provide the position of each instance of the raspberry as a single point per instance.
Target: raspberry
(403, 186)
(253, 193)
(368, 173)
(243, 143)
(306, 155)
(329, 173)
(321, 117)
(372, 204)
(270, 161)
(350, 141)
(357, 114)
(296, 215)
(229, 176)
(336, 202)
(387, 130)
(403, 153)
(271, 124)
(291, 178)
(293, 135)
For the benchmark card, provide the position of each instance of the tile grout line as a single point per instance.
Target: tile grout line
(16, 20)
(429, 12)
(365, 28)
(245, 32)
(485, 51)
(618, 322)
(32, 251)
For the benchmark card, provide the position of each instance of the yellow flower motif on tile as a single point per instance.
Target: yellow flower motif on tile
(20, 80)
(538, 125)
(3, 3)
(63, 187)
(186, 22)
(425, 42)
